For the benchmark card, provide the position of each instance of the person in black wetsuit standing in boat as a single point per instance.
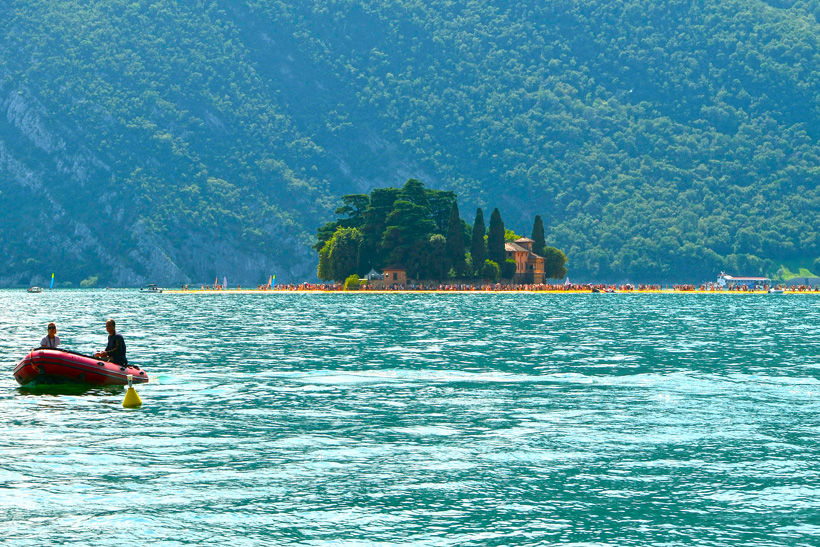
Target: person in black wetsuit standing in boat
(115, 350)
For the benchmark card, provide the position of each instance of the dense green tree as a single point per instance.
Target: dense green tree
(339, 257)
(406, 235)
(414, 192)
(508, 269)
(352, 283)
(455, 242)
(495, 238)
(374, 255)
(436, 263)
(440, 204)
(554, 263)
(478, 245)
(324, 271)
(510, 236)
(354, 208)
(538, 236)
(324, 233)
(490, 270)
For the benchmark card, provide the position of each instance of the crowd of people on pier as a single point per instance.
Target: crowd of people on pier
(803, 288)
(536, 287)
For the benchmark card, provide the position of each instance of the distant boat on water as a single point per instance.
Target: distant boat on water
(731, 282)
(34, 289)
(150, 288)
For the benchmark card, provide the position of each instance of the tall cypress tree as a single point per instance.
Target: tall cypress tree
(538, 236)
(455, 241)
(495, 238)
(478, 249)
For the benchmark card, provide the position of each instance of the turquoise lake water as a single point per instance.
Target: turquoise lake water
(425, 420)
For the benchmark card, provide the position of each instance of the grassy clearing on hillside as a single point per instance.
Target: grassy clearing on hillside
(785, 274)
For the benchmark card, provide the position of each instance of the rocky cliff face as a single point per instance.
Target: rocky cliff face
(49, 227)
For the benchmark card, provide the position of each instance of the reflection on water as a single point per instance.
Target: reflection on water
(487, 419)
(67, 388)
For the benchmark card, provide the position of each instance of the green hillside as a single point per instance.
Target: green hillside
(173, 142)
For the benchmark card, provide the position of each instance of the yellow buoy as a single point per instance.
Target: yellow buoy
(132, 398)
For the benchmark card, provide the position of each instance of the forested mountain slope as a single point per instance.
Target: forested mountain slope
(173, 142)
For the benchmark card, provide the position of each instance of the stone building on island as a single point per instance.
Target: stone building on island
(529, 267)
(394, 276)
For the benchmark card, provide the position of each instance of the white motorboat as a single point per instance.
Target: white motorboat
(150, 288)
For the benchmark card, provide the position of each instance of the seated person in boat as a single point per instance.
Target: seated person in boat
(115, 350)
(52, 340)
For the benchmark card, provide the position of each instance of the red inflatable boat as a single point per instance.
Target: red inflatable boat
(49, 366)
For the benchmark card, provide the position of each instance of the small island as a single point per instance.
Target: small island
(415, 235)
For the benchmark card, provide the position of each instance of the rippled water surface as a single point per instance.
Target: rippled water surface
(477, 419)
